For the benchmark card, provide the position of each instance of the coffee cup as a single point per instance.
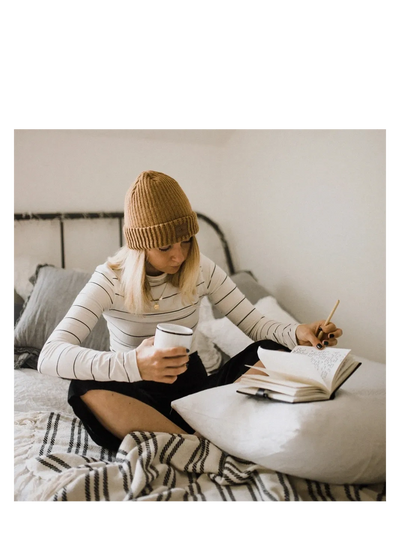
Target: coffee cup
(172, 335)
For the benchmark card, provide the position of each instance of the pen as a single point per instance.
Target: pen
(329, 318)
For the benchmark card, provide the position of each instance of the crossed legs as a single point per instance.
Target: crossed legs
(121, 414)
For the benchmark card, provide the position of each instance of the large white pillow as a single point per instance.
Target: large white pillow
(337, 441)
(229, 338)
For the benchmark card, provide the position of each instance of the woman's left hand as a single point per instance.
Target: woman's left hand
(307, 334)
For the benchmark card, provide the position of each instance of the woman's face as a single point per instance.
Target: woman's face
(167, 259)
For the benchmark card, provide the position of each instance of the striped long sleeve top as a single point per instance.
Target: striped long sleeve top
(63, 355)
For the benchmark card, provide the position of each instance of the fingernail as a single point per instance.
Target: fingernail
(331, 335)
(319, 346)
(326, 343)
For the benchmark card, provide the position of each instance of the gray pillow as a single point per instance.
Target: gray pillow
(18, 306)
(54, 291)
(248, 285)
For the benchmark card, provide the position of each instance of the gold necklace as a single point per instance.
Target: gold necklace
(157, 301)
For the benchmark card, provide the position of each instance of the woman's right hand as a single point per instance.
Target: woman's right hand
(160, 365)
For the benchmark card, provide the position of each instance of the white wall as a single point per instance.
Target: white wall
(307, 212)
(304, 210)
(76, 170)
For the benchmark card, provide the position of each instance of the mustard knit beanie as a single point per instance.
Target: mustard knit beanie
(157, 212)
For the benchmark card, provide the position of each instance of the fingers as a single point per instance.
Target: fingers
(327, 342)
(329, 329)
(313, 339)
(160, 365)
(173, 357)
(171, 376)
(178, 351)
(330, 335)
(308, 334)
(170, 363)
(166, 375)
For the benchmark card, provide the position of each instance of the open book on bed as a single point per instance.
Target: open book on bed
(304, 375)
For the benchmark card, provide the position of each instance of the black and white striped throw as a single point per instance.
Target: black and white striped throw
(67, 466)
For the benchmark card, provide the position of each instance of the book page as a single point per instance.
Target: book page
(270, 382)
(289, 367)
(324, 361)
(304, 364)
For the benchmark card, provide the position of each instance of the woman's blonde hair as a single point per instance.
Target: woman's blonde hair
(131, 266)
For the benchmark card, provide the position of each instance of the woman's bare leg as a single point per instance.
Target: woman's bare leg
(121, 414)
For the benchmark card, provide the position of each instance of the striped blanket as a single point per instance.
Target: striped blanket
(57, 461)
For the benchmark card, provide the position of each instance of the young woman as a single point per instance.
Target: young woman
(159, 276)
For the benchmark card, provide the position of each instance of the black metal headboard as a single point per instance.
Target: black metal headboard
(62, 217)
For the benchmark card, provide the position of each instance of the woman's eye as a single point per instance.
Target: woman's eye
(168, 247)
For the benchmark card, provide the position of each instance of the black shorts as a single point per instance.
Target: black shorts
(159, 395)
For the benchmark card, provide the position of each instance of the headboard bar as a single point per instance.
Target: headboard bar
(113, 215)
(222, 239)
(68, 216)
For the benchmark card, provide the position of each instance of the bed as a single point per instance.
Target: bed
(249, 450)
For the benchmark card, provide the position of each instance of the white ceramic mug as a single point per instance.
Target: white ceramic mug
(171, 335)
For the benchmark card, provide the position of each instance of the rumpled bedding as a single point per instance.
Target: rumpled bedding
(57, 461)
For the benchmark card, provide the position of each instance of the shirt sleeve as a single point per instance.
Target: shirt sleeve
(63, 354)
(231, 302)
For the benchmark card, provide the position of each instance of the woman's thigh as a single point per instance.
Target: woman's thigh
(121, 414)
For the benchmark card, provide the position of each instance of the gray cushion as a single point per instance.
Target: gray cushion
(54, 291)
(18, 306)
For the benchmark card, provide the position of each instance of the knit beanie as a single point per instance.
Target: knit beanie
(157, 212)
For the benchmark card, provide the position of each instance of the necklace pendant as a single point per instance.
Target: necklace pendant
(156, 307)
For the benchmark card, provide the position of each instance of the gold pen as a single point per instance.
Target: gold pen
(329, 318)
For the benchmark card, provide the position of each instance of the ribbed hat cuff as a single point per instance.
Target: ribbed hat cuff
(162, 234)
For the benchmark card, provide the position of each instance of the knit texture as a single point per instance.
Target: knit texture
(157, 212)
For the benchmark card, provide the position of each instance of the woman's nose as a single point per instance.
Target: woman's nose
(177, 254)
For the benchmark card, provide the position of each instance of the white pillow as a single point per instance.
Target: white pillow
(209, 355)
(229, 338)
(337, 441)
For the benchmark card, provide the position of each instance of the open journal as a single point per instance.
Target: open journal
(304, 375)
